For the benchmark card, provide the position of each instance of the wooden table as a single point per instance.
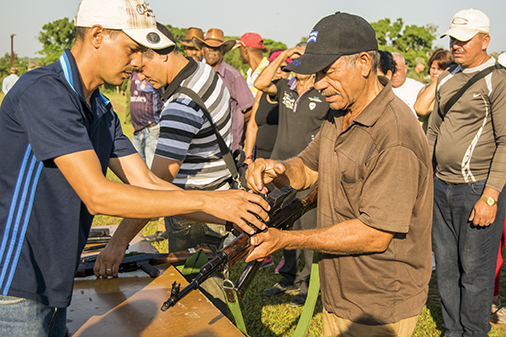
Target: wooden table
(130, 306)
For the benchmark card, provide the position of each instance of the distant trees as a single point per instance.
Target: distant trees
(411, 41)
(5, 65)
(55, 37)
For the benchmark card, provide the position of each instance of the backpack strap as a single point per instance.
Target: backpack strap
(462, 90)
(225, 151)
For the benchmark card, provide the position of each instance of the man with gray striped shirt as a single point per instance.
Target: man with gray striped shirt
(187, 153)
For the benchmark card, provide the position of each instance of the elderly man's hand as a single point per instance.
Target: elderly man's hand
(262, 172)
(109, 259)
(265, 243)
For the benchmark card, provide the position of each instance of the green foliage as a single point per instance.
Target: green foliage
(271, 45)
(411, 41)
(55, 37)
(179, 34)
(233, 57)
(5, 65)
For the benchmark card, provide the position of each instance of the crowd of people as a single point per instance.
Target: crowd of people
(408, 159)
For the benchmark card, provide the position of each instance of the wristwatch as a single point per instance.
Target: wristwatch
(490, 201)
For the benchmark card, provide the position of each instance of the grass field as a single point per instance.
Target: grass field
(266, 316)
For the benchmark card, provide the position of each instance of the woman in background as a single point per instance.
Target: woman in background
(424, 104)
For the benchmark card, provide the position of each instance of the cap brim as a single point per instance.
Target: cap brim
(151, 38)
(310, 63)
(460, 34)
(238, 44)
(187, 43)
(227, 45)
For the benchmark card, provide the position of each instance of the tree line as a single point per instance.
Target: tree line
(411, 41)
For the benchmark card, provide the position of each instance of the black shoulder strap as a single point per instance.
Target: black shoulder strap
(225, 151)
(462, 90)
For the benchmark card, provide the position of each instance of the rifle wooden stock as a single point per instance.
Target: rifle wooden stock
(283, 217)
(143, 261)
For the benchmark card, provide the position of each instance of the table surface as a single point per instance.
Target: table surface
(130, 306)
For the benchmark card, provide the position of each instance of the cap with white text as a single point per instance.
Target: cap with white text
(467, 23)
(332, 37)
(134, 17)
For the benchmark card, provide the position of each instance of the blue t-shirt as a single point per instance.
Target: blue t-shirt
(43, 222)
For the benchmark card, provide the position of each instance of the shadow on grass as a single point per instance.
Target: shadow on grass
(272, 316)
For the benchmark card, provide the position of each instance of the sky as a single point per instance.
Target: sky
(285, 21)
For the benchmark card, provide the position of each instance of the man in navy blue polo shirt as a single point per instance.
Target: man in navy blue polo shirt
(59, 134)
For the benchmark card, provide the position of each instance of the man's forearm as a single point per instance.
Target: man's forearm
(425, 99)
(127, 230)
(296, 175)
(203, 217)
(346, 238)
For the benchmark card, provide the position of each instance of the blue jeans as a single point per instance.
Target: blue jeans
(145, 143)
(24, 317)
(465, 257)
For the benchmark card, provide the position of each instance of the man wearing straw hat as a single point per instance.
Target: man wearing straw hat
(188, 45)
(214, 47)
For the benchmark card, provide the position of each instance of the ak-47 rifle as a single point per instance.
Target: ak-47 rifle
(285, 209)
(145, 261)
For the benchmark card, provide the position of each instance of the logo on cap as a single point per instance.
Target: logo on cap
(144, 9)
(460, 21)
(312, 36)
(153, 38)
(295, 63)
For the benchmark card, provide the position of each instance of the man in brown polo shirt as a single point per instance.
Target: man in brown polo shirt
(372, 164)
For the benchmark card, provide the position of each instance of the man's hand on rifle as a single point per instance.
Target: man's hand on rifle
(238, 207)
(265, 243)
(262, 172)
(109, 259)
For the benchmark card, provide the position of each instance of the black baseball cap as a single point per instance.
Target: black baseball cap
(334, 36)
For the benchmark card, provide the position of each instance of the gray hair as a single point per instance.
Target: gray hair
(375, 58)
(402, 58)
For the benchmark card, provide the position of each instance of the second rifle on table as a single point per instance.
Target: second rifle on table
(145, 261)
(285, 210)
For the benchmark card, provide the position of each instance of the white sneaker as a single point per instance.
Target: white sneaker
(499, 317)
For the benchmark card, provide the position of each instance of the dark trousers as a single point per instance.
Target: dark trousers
(465, 257)
(183, 234)
(290, 269)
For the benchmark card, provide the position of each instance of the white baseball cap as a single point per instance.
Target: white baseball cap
(467, 23)
(502, 59)
(134, 17)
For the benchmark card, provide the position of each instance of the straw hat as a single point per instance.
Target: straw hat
(190, 34)
(214, 38)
